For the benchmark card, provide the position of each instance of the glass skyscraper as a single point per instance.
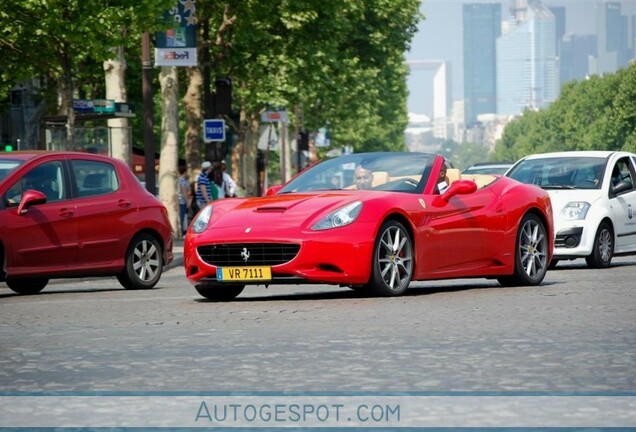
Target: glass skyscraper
(574, 58)
(615, 38)
(481, 28)
(527, 65)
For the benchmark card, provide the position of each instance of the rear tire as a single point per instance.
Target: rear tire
(531, 254)
(144, 263)
(26, 286)
(603, 252)
(392, 260)
(218, 292)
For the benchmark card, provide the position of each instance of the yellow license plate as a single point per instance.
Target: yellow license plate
(249, 273)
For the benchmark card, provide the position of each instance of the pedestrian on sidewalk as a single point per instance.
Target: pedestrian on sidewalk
(205, 193)
(185, 198)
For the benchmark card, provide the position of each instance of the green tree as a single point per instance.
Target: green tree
(52, 39)
(340, 62)
(598, 113)
(337, 63)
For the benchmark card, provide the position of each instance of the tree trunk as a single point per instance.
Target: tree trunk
(169, 156)
(194, 120)
(115, 77)
(250, 148)
(66, 105)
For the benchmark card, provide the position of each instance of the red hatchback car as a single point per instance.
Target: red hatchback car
(73, 214)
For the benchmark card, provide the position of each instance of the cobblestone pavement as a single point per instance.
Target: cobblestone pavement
(576, 332)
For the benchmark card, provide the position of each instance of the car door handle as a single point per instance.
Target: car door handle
(66, 212)
(123, 203)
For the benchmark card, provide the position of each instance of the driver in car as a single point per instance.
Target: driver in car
(362, 177)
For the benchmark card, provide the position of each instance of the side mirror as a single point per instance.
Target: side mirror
(273, 190)
(30, 198)
(621, 187)
(459, 187)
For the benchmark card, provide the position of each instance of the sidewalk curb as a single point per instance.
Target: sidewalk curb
(177, 254)
(176, 262)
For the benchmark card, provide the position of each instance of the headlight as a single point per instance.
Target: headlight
(203, 218)
(575, 210)
(341, 217)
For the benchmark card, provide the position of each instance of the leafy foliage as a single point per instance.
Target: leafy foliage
(340, 61)
(50, 38)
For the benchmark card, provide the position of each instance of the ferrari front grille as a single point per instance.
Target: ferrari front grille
(242, 254)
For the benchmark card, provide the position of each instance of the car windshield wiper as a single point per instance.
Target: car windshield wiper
(557, 186)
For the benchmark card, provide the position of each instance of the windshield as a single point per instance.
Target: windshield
(403, 172)
(8, 165)
(561, 172)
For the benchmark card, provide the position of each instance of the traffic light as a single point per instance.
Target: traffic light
(223, 96)
(303, 143)
(8, 147)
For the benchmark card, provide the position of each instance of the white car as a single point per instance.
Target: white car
(593, 196)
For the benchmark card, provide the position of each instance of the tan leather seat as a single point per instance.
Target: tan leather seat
(453, 174)
(480, 179)
(379, 177)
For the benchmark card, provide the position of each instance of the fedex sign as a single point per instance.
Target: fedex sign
(175, 56)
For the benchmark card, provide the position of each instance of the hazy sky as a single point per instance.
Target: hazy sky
(439, 37)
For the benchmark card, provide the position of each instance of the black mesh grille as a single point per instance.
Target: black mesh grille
(259, 253)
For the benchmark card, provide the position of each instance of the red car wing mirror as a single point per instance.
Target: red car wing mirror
(459, 187)
(30, 198)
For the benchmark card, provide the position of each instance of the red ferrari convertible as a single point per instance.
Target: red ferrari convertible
(373, 222)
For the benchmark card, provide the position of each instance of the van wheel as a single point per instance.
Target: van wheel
(603, 252)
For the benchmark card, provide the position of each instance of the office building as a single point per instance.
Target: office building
(559, 25)
(615, 38)
(527, 64)
(575, 55)
(481, 28)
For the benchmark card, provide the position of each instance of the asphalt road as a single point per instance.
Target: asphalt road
(575, 333)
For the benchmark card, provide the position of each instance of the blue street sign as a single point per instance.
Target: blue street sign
(213, 130)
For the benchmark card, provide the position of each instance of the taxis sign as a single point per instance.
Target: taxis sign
(213, 130)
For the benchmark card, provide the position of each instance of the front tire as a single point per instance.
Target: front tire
(392, 261)
(144, 263)
(603, 252)
(531, 254)
(219, 292)
(26, 286)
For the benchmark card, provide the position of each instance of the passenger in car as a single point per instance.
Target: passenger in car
(442, 181)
